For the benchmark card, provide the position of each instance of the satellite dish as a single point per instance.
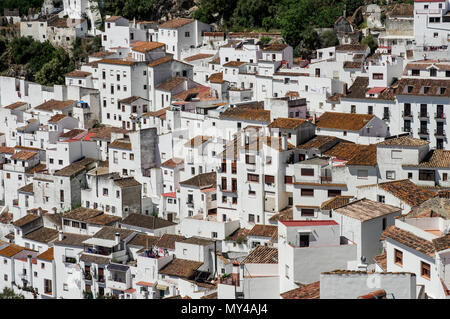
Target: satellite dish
(363, 259)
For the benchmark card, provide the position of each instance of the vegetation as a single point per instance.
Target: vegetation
(370, 41)
(22, 5)
(8, 293)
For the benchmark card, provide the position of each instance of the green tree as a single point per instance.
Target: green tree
(8, 293)
(213, 11)
(53, 71)
(328, 39)
(370, 41)
(251, 13)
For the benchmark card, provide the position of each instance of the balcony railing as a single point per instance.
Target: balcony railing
(439, 132)
(423, 114)
(70, 260)
(325, 179)
(407, 114)
(423, 131)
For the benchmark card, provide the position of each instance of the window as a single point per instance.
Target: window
(287, 271)
(309, 192)
(362, 174)
(251, 218)
(214, 234)
(253, 178)
(435, 35)
(390, 174)
(42, 266)
(415, 72)
(269, 179)
(334, 192)
(250, 159)
(251, 192)
(307, 171)
(381, 198)
(426, 175)
(425, 271)
(383, 223)
(105, 192)
(304, 240)
(288, 179)
(398, 257)
(444, 177)
(410, 175)
(308, 212)
(377, 76)
(186, 34)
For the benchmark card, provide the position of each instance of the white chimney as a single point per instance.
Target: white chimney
(39, 211)
(242, 138)
(284, 142)
(117, 238)
(30, 270)
(60, 235)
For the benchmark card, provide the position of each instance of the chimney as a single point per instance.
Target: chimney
(117, 238)
(39, 211)
(284, 142)
(242, 138)
(235, 273)
(362, 265)
(60, 235)
(30, 270)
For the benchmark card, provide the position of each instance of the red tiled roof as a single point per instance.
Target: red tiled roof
(293, 223)
(310, 291)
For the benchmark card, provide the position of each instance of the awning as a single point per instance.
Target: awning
(161, 287)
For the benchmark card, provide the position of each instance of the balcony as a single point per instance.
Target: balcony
(386, 116)
(439, 116)
(423, 131)
(190, 203)
(69, 260)
(406, 129)
(439, 132)
(326, 179)
(423, 115)
(407, 114)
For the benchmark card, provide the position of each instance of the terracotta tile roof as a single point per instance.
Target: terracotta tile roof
(90, 259)
(168, 241)
(113, 18)
(405, 140)
(213, 34)
(160, 61)
(23, 155)
(26, 189)
(159, 114)
(146, 221)
(15, 105)
(352, 65)
(244, 113)
(116, 61)
(263, 231)
(210, 296)
(215, 61)
(366, 209)
(56, 118)
(381, 260)
(104, 219)
(310, 291)
(6, 217)
(78, 74)
(200, 241)
(344, 150)
(127, 182)
(175, 23)
(407, 191)
(47, 255)
(418, 85)
(377, 294)
(434, 159)
(287, 123)
(173, 162)
(200, 92)
(240, 233)
(181, 268)
(101, 54)
(25, 220)
(64, 23)
(104, 133)
(197, 141)
(335, 202)
(72, 133)
(351, 47)
(143, 240)
(72, 240)
(199, 56)
(11, 250)
(54, 105)
(216, 78)
(171, 84)
(121, 144)
(276, 47)
(409, 239)
(129, 100)
(360, 87)
(401, 10)
(234, 63)
(143, 46)
(109, 233)
(284, 214)
(201, 180)
(74, 168)
(442, 243)
(6, 150)
(262, 255)
(364, 156)
(82, 214)
(42, 235)
(343, 121)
